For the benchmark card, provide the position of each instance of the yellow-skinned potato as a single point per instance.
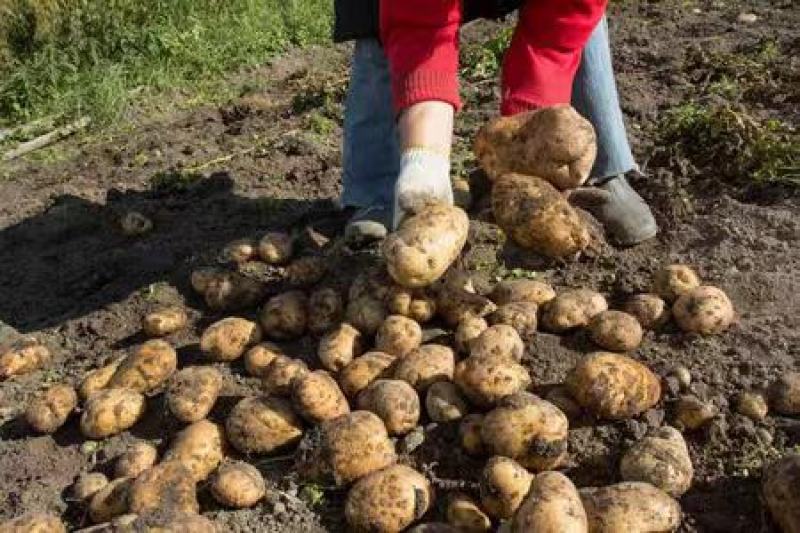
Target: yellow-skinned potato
(200, 447)
(325, 310)
(111, 411)
(363, 370)
(467, 331)
(33, 523)
(193, 391)
(673, 281)
(49, 411)
(572, 309)
(110, 501)
(230, 291)
(500, 342)
(465, 515)
(630, 507)
(306, 271)
(165, 321)
(137, 459)
(227, 339)
(146, 368)
(258, 358)
(527, 429)
(282, 374)
(238, 485)
(613, 386)
(426, 365)
(275, 248)
(394, 401)
(339, 347)
(706, 310)
(661, 459)
(98, 379)
(425, 245)
(784, 394)
(398, 335)
(88, 484)
(522, 290)
(413, 303)
(285, 316)
(388, 501)
(202, 277)
(240, 251)
(650, 310)
(263, 425)
(753, 405)
(366, 314)
(23, 357)
(455, 304)
(616, 331)
(484, 381)
(519, 315)
(444, 403)
(168, 486)
(317, 397)
(504, 484)
(469, 431)
(779, 488)
(552, 505)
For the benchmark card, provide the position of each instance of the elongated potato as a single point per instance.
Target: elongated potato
(552, 505)
(398, 335)
(394, 401)
(650, 310)
(165, 321)
(87, 485)
(674, 280)
(98, 379)
(285, 316)
(631, 507)
(192, 392)
(444, 403)
(238, 485)
(137, 459)
(468, 330)
(229, 338)
(111, 411)
(263, 425)
(499, 342)
(661, 459)
(706, 310)
(363, 370)
(317, 397)
(366, 314)
(572, 309)
(34, 523)
(200, 447)
(504, 484)
(469, 432)
(110, 501)
(23, 357)
(426, 365)
(282, 374)
(258, 358)
(519, 315)
(49, 411)
(275, 248)
(231, 291)
(425, 245)
(779, 488)
(522, 290)
(616, 331)
(168, 486)
(485, 380)
(325, 310)
(339, 347)
(465, 515)
(146, 368)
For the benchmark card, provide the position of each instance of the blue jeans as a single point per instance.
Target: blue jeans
(371, 154)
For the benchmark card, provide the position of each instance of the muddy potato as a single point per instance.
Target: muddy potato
(456, 304)
(88, 484)
(753, 405)
(231, 291)
(227, 339)
(465, 515)
(413, 303)
(282, 374)
(111, 411)
(306, 271)
(572, 309)
(388, 500)
(325, 310)
(650, 310)
(366, 314)
(374, 282)
(317, 397)
(673, 281)
(444, 403)
(164, 321)
(394, 401)
(146, 368)
(484, 381)
(23, 357)
(616, 331)
(522, 290)
(33, 523)
(467, 331)
(48, 412)
(398, 335)
(339, 347)
(527, 429)
(135, 460)
(552, 505)
(632, 507)
(784, 394)
(168, 486)
(98, 379)
(110, 501)
(705, 310)
(238, 485)
(275, 248)
(499, 342)
(469, 432)
(504, 484)
(363, 370)
(426, 365)
(258, 358)
(263, 424)
(613, 386)
(200, 447)
(192, 392)
(779, 489)
(519, 315)
(201, 278)
(692, 413)
(661, 459)
(285, 316)
(240, 251)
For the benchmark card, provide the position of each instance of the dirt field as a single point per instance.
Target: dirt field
(271, 160)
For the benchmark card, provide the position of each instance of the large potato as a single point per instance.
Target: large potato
(111, 411)
(469, 432)
(426, 365)
(630, 507)
(325, 310)
(339, 347)
(227, 339)
(484, 381)
(394, 401)
(366, 313)
(146, 368)
(784, 394)
(110, 501)
(388, 501)
(275, 248)
(168, 486)
(238, 484)
(499, 342)
(444, 402)
(88, 484)
(282, 374)
(23, 357)
(317, 397)
(263, 424)
(465, 515)
(552, 505)
(613, 386)
(522, 290)
(650, 310)
(504, 484)
(231, 291)
(467, 331)
(706, 310)
(285, 316)
(572, 309)
(425, 245)
(193, 391)
(363, 370)
(200, 447)
(779, 488)
(258, 358)
(98, 379)
(33, 523)
(528, 429)
(661, 459)
(398, 335)
(165, 321)
(673, 281)
(49, 411)
(135, 460)
(616, 331)
(519, 315)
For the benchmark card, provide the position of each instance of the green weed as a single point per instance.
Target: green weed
(171, 181)
(483, 60)
(312, 494)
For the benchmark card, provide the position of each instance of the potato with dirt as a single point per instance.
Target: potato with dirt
(339, 347)
(498, 342)
(227, 339)
(147, 368)
(275, 248)
(88, 484)
(317, 397)
(164, 321)
(692, 413)
(263, 425)
(33, 523)
(425, 245)
(200, 447)
(661, 459)
(98, 379)
(469, 329)
(465, 515)
(111, 411)
(394, 401)
(325, 310)
(613, 386)
(631, 507)
(135, 460)
(398, 335)
(258, 358)
(232, 291)
(503, 485)
(169, 487)
(110, 501)
(484, 381)
(705, 310)
(363, 370)
(469, 433)
(240, 251)
(192, 392)
(650, 310)
(282, 374)
(285, 316)
(572, 309)
(425, 366)
(49, 411)
(412, 303)
(238, 485)
(366, 314)
(519, 315)
(779, 490)
(306, 271)
(444, 402)
(23, 357)
(388, 500)
(455, 304)
(616, 331)
(522, 290)
(552, 505)
(784, 394)
(674, 281)
(201, 278)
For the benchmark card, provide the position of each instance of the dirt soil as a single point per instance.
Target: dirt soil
(270, 160)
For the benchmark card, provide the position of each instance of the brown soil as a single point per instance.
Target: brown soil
(68, 274)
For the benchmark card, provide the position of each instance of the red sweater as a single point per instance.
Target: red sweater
(421, 42)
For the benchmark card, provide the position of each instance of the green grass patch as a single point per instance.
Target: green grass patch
(481, 61)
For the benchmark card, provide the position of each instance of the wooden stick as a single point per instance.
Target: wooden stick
(47, 139)
(25, 130)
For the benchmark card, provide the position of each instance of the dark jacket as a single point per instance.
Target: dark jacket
(358, 19)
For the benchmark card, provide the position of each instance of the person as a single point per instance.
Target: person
(373, 159)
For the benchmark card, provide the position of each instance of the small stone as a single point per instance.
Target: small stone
(752, 405)
(764, 436)
(692, 413)
(412, 440)
(134, 223)
(747, 18)
(279, 508)
(682, 374)
(697, 11)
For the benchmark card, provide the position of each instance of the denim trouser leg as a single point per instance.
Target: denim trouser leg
(594, 95)
(371, 154)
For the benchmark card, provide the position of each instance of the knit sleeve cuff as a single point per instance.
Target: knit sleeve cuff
(423, 86)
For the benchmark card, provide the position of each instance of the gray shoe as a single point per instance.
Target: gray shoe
(368, 224)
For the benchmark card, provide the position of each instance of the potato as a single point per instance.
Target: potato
(164, 321)
(705, 310)
(753, 405)
(98, 379)
(462, 197)
(202, 277)
(784, 394)
(467, 331)
(375, 283)
(692, 413)
(779, 489)
(504, 483)
(572, 309)
(50, 411)
(413, 303)
(33, 523)
(168, 486)
(394, 401)
(366, 314)
(306, 271)
(282, 374)
(325, 310)
(465, 515)
(632, 507)
(200, 447)
(339, 347)
(110, 501)
(552, 505)
(426, 365)
(484, 381)
(519, 315)
(345, 449)
(398, 335)
(192, 392)
(650, 310)
(527, 429)
(23, 357)
(616, 331)
(231, 291)
(146, 368)
(275, 248)
(673, 281)
(499, 342)
(285, 316)
(363, 370)
(455, 304)
(111, 411)
(522, 290)
(229, 338)
(138, 458)
(469, 432)
(238, 484)
(240, 251)
(661, 459)
(317, 397)
(388, 500)
(444, 402)
(258, 358)
(613, 386)
(88, 484)
(262, 425)
(425, 245)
